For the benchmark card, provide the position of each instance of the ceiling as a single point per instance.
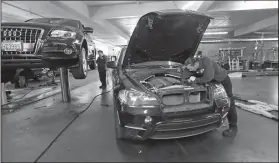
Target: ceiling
(114, 21)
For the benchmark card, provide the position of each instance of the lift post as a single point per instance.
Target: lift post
(3, 94)
(65, 86)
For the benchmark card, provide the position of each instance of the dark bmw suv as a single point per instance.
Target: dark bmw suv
(45, 43)
(150, 101)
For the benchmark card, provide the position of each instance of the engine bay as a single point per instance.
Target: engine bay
(161, 79)
(157, 81)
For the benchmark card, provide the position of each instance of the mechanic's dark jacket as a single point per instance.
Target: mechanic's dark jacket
(101, 61)
(211, 72)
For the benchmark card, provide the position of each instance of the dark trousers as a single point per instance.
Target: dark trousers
(232, 115)
(103, 77)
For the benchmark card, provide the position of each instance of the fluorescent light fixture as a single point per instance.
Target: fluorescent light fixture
(258, 5)
(240, 40)
(212, 41)
(215, 33)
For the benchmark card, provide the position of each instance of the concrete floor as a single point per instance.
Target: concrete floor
(264, 88)
(28, 132)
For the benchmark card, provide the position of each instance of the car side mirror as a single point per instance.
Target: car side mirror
(88, 30)
(111, 64)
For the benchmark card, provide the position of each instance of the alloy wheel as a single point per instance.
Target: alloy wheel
(84, 61)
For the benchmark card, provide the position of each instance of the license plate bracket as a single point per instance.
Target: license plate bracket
(10, 45)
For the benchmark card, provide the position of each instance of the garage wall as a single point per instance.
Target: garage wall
(114, 51)
(212, 49)
(107, 49)
(102, 46)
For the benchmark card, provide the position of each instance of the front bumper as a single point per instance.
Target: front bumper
(164, 128)
(14, 61)
(53, 49)
(47, 53)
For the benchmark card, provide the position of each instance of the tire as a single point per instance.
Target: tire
(119, 130)
(92, 66)
(80, 72)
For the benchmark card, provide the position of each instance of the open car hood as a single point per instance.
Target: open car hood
(169, 35)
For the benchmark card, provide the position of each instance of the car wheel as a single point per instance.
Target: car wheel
(80, 72)
(119, 130)
(92, 66)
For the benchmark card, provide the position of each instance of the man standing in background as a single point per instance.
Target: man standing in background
(102, 68)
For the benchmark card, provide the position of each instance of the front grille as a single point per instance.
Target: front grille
(196, 97)
(186, 124)
(185, 132)
(17, 52)
(182, 115)
(173, 99)
(28, 36)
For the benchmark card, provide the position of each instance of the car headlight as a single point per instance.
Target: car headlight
(62, 34)
(220, 96)
(135, 98)
(219, 91)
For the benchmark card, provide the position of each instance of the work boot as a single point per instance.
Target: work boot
(231, 132)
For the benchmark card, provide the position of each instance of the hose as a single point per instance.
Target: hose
(68, 125)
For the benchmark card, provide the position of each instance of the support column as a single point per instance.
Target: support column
(65, 86)
(3, 94)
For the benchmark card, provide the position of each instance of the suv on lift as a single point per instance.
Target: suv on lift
(45, 43)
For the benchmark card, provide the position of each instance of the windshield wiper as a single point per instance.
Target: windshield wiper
(154, 66)
(164, 66)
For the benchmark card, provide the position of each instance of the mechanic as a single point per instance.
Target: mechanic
(201, 70)
(102, 68)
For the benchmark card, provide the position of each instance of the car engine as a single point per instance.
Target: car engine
(158, 81)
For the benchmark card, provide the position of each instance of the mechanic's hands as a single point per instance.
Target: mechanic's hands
(192, 78)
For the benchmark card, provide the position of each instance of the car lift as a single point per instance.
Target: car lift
(65, 87)
(3, 94)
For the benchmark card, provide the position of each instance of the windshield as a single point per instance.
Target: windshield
(57, 21)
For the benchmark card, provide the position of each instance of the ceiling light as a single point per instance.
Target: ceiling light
(215, 33)
(239, 40)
